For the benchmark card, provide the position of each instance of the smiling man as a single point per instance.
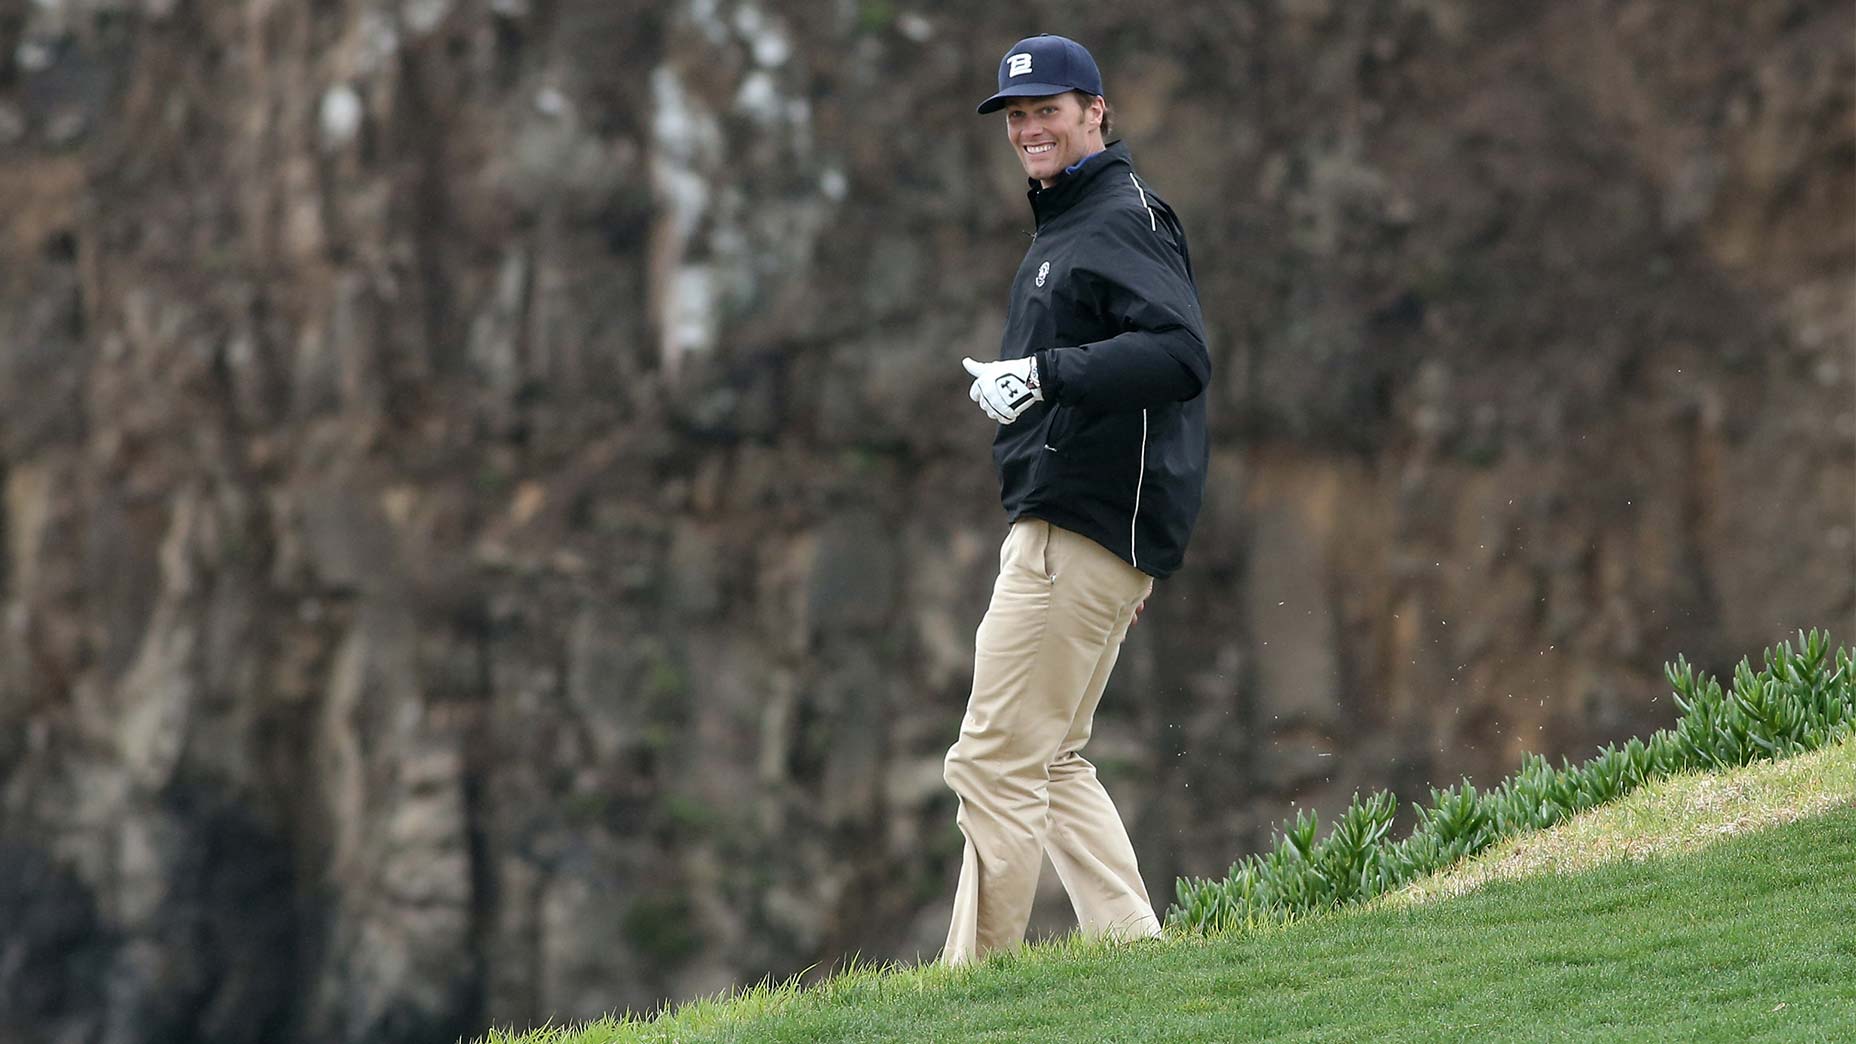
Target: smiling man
(1101, 452)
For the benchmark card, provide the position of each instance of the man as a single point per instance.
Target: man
(1101, 456)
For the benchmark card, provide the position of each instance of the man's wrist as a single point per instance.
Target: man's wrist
(1044, 374)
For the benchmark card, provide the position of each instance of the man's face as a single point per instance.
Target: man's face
(1052, 133)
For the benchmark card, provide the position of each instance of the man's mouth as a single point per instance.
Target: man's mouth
(1038, 150)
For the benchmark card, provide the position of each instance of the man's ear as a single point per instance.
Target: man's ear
(1097, 109)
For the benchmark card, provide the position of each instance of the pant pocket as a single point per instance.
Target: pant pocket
(1027, 549)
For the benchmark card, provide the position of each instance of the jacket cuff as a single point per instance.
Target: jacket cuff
(1050, 382)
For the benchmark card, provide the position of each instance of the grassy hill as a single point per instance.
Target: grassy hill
(1712, 907)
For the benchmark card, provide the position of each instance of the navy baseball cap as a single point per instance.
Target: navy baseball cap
(1038, 66)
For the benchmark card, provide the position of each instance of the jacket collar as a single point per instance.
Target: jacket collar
(1067, 190)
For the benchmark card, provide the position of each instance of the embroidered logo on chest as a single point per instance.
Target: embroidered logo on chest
(1043, 270)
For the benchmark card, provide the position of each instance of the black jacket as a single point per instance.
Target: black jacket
(1105, 300)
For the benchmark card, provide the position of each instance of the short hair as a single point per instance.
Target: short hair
(1108, 113)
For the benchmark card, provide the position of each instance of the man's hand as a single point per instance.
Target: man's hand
(1004, 389)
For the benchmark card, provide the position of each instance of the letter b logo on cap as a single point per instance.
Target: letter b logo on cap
(1018, 65)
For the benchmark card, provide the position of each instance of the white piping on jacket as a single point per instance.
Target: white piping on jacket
(1151, 223)
(1133, 560)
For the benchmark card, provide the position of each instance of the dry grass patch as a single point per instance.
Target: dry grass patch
(1678, 814)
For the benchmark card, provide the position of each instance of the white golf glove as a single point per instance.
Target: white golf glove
(1004, 389)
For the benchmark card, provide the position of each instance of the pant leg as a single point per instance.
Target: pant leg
(1087, 842)
(1054, 612)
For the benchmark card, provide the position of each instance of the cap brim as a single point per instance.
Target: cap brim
(1021, 90)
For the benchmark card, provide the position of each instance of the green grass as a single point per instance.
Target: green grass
(1700, 908)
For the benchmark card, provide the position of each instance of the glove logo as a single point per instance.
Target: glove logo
(1043, 270)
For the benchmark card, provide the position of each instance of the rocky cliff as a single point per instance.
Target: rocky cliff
(493, 526)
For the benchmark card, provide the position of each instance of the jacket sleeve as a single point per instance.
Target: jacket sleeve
(1141, 281)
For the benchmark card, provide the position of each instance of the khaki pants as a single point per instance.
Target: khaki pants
(1059, 611)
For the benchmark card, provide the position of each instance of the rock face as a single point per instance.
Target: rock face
(493, 527)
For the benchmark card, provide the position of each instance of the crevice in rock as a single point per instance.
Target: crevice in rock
(480, 773)
(6, 540)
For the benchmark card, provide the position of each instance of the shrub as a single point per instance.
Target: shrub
(1799, 701)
